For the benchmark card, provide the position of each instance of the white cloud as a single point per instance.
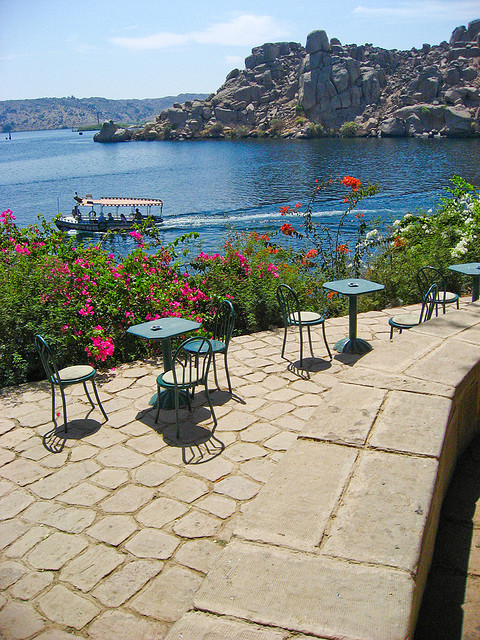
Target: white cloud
(244, 30)
(412, 9)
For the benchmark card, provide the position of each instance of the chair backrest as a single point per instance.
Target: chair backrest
(48, 361)
(426, 276)
(428, 303)
(288, 303)
(191, 367)
(224, 322)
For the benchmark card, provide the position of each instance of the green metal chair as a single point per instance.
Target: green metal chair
(427, 276)
(408, 320)
(293, 316)
(66, 377)
(190, 369)
(222, 332)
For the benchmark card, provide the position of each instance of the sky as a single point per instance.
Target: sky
(156, 48)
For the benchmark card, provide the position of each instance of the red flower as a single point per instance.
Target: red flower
(311, 254)
(353, 183)
(342, 248)
(399, 242)
(284, 210)
(330, 294)
(287, 229)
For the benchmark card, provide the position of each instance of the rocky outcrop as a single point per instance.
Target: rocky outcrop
(111, 133)
(327, 88)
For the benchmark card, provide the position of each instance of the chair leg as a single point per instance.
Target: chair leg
(310, 339)
(301, 346)
(215, 373)
(391, 332)
(284, 341)
(98, 399)
(226, 371)
(211, 408)
(158, 404)
(64, 403)
(52, 387)
(325, 340)
(87, 394)
(177, 425)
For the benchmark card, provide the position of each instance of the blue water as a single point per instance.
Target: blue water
(214, 187)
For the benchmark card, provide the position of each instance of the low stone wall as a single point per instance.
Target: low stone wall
(339, 541)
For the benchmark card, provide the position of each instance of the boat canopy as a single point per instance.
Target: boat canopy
(120, 202)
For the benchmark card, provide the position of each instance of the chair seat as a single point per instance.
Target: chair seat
(184, 378)
(306, 317)
(77, 372)
(194, 346)
(449, 297)
(405, 320)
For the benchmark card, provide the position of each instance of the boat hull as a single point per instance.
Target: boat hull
(69, 223)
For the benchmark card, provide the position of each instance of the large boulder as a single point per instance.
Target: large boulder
(106, 133)
(317, 41)
(393, 128)
(458, 121)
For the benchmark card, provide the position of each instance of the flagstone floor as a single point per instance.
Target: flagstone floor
(109, 532)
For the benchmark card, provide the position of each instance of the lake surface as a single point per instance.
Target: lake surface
(216, 186)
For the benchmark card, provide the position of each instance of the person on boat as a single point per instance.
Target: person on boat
(76, 213)
(77, 197)
(123, 218)
(137, 215)
(110, 217)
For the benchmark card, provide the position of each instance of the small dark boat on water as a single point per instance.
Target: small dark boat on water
(110, 214)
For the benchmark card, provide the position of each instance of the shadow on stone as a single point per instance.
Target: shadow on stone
(54, 440)
(310, 365)
(451, 600)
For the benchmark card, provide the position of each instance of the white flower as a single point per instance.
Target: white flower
(372, 234)
(460, 249)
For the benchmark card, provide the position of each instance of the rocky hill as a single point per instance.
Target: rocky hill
(327, 88)
(61, 113)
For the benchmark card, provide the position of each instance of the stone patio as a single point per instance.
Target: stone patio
(109, 533)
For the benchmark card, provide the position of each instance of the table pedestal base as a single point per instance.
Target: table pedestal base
(355, 345)
(167, 400)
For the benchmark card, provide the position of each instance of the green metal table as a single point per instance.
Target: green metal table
(470, 269)
(164, 329)
(353, 287)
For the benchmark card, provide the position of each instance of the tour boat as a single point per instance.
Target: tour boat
(110, 214)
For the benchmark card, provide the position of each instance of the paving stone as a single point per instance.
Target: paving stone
(10, 572)
(12, 438)
(147, 444)
(110, 478)
(84, 494)
(281, 442)
(237, 487)
(127, 499)
(6, 486)
(56, 634)
(135, 428)
(91, 566)
(151, 543)
(185, 488)
(258, 432)
(13, 503)
(197, 525)
(220, 506)
(126, 582)
(214, 469)
(168, 595)
(125, 626)
(259, 470)
(153, 474)
(69, 519)
(106, 437)
(68, 477)
(294, 507)
(6, 425)
(198, 554)
(22, 545)
(31, 585)
(83, 452)
(53, 552)
(160, 512)
(383, 521)
(200, 626)
(236, 421)
(346, 415)
(23, 472)
(113, 529)
(10, 531)
(411, 422)
(67, 607)
(121, 456)
(307, 593)
(55, 460)
(241, 451)
(273, 382)
(274, 411)
(6, 457)
(19, 620)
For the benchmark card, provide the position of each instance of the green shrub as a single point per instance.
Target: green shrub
(276, 127)
(316, 131)
(300, 121)
(349, 129)
(299, 109)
